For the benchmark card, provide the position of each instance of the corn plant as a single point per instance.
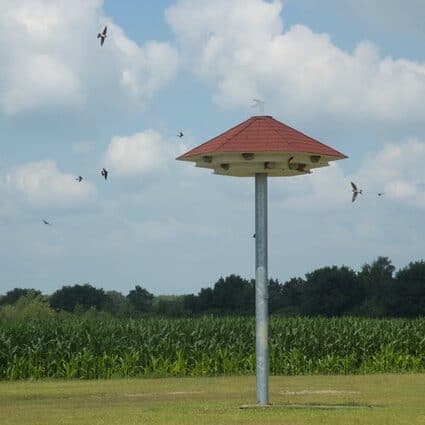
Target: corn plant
(92, 349)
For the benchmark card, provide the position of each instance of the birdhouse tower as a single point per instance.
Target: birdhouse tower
(262, 147)
(262, 144)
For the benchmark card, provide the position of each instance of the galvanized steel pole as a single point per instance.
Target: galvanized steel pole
(261, 290)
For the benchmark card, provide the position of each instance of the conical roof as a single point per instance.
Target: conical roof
(262, 144)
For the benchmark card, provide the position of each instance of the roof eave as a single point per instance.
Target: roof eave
(195, 157)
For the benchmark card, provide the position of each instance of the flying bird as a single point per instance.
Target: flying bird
(104, 173)
(180, 134)
(79, 179)
(45, 222)
(253, 235)
(380, 193)
(102, 35)
(356, 191)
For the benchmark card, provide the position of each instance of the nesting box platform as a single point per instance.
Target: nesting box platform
(262, 144)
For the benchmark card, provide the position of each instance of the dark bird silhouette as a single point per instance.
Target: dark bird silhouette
(102, 35)
(79, 179)
(356, 191)
(180, 134)
(253, 235)
(297, 166)
(380, 193)
(45, 222)
(104, 173)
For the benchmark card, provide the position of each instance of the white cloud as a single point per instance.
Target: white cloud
(150, 69)
(42, 184)
(397, 170)
(50, 56)
(324, 189)
(141, 153)
(39, 77)
(242, 48)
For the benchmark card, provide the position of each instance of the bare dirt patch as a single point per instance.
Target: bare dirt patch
(316, 392)
(165, 393)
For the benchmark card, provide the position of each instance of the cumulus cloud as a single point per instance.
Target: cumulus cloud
(324, 189)
(43, 184)
(142, 153)
(150, 69)
(49, 56)
(39, 78)
(397, 170)
(243, 50)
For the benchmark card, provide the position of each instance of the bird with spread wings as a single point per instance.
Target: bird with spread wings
(356, 191)
(102, 35)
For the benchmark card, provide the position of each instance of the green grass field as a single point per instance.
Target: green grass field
(400, 399)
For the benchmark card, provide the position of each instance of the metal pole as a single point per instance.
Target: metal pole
(261, 290)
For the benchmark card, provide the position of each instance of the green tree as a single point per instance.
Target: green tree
(169, 305)
(28, 307)
(407, 297)
(377, 280)
(114, 303)
(191, 304)
(331, 291)
(205, 301)
(292, 295)
(233, 294)
(15, 294)
(276, 296)
(86, 296)
(141, 299)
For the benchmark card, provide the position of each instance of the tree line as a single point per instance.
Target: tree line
(377, 290)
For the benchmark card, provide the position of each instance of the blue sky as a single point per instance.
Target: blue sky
(349, 73)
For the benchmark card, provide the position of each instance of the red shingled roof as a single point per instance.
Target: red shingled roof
(262, 134)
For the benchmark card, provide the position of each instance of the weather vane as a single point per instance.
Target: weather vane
(258, 103)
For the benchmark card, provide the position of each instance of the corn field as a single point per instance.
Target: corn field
(107, 348)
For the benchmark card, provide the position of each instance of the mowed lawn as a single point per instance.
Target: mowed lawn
(398, 399)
